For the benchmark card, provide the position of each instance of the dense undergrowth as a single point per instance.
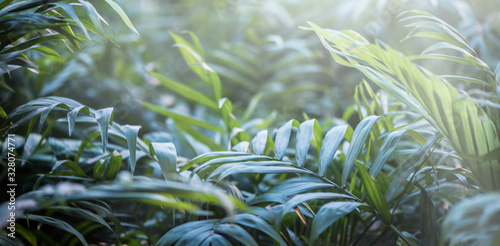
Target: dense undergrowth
(260, 136)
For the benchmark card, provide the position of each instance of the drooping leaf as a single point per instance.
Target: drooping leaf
(182, 118)
(72, 116)
(185, 91)
(131, 133)
(167, 158)
(329, 214)
(298, 199)
(104, 118)
(58, 224)
(259, 142)
(122, 14)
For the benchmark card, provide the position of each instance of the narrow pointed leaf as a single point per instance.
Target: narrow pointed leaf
(167, 158)
(104, 118)
(259, 142)
(358, 140)
(72, 116)
(387, 148)
(122, 15)
(283, 138)
(303, 141)
(329, 214)
(58, 224)
(131, 133)
(330, 145)
(373, 192)
(114, 166)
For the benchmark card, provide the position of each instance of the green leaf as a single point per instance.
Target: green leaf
(387, 148)
(166, 155)
(329, 214)
(182, 118)
(195, 61)
(92, 14)
(73, 166)
(428, 224)
(210, 156)
(71, 12)
(114, 166)
(72, 116)
(374, 193)
(237, 233)
(99, 169)
(257, 223)
(301, 198)
(259, 142)
(58, 224)
(2, 113)
(193, 227)
(409, 166)
(122, 14)
(233, 159)
(256, 169)
(283, 138)
(330, 145)
(226, 109)
(28, 235)
(131, 133)
(185, 91)
(303, 141)
(358, 140)
(104, 118)
(200, 137)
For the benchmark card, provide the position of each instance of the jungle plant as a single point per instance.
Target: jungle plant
(403, 165)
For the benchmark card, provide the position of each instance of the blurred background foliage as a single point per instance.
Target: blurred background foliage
(270, 71)
(255, 46)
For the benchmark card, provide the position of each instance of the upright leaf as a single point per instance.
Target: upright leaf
(131, 135)
(283, 138)
(374, 193)
(303, 141)
(167, 158)
(330, 145)
(358, 140)
(104, 118)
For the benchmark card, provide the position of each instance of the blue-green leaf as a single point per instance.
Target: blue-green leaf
(72, 116)
(358, 140)
(166, 155)
(330, 145)
(283, 138)
(58, 224)
(329, 214)
(388, 146)
(131, 133)
(122, 14)
(259, 142)
(373, 192)
(104, 118)
(303, 141)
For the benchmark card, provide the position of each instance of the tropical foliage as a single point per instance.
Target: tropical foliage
(262, 135)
